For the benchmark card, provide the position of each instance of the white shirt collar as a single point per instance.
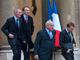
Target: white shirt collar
(47, 30)
(67, 31)
(15, 18)
(25, 16)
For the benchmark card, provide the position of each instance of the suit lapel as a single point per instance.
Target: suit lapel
(23, 20)
(67, 33)
(28, 21)
(53, 33)
(14, 22)
(47, 33)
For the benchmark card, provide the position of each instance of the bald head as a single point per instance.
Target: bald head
(48, 22)
(49, 25)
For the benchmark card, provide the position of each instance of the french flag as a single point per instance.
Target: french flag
(57, 25)
(53, 16)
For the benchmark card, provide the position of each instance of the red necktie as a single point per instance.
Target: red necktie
(26, 20)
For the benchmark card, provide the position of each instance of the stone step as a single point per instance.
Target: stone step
(7, 52)
(5, 47)
(7, 55)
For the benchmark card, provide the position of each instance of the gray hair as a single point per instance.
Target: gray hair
(16, 10)
(47, 22)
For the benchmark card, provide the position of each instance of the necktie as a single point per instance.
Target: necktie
(26, 20)
(71, 37)
(17, 22)
(50, 35)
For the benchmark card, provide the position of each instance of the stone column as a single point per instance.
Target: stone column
(66, 11)
(7, 7)
(78, 13)
(0, 22)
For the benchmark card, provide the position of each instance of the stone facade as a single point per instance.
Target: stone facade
(68, 10)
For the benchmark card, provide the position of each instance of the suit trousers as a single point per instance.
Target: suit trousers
(49, 57)
(16, 50)
(26, 55)
(68, 56)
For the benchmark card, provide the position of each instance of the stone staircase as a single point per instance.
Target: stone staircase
(5, 47)
(6, 54)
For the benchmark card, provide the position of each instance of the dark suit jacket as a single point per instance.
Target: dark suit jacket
(65, 38)
(44, 45)
(27, 29)
(11, 27)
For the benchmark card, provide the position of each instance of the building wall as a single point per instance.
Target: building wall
(68, 10)
(0, 22)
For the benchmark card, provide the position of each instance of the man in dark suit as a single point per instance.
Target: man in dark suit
(44, 43)
(12, 30)
(27, 30)
(66, 37)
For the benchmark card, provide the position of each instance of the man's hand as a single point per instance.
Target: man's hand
(68, 51)
(24, 41)
(36, 56)
(11, 36)
(74, 45)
